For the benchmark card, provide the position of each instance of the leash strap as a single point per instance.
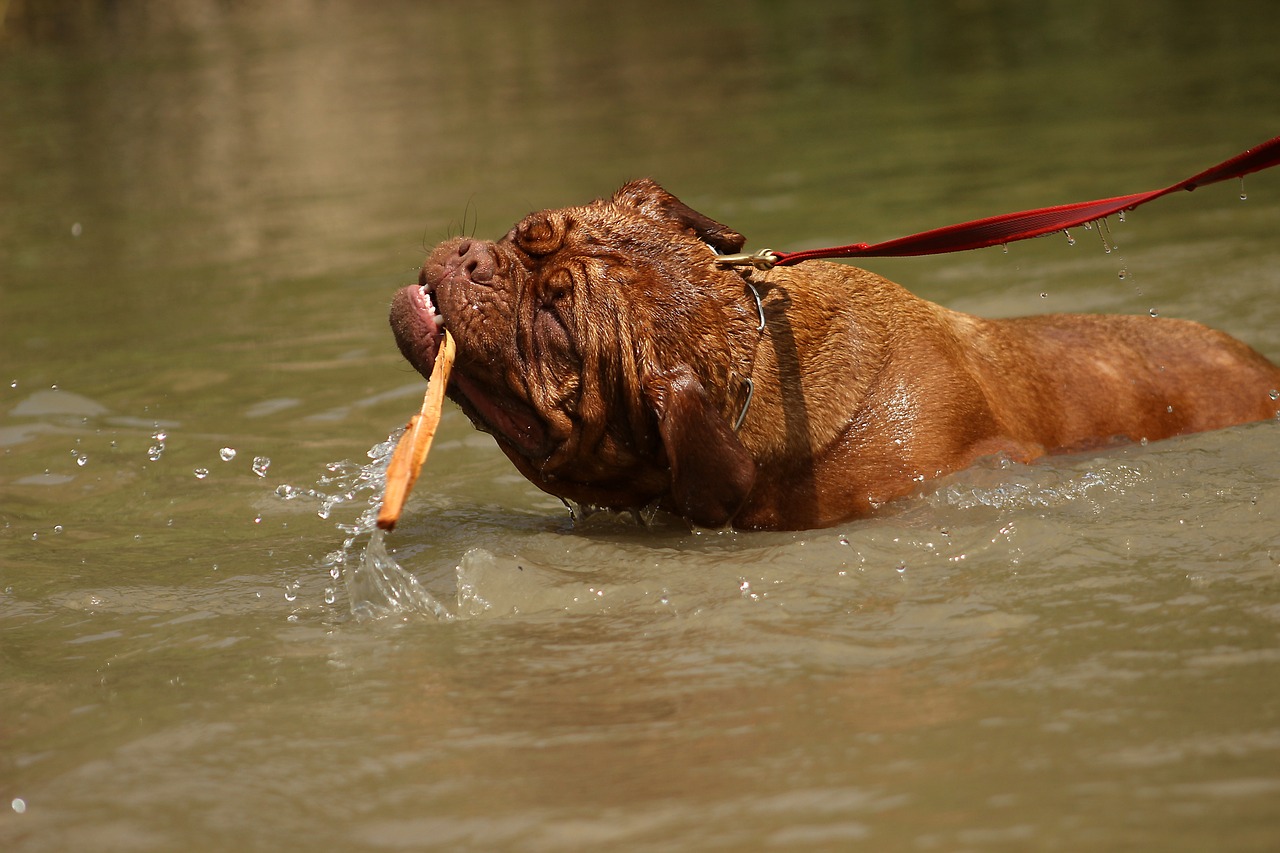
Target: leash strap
(998, 230)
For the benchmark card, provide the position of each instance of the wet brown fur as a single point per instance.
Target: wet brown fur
(607, 351)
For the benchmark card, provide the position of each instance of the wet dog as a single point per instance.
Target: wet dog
(618, 365)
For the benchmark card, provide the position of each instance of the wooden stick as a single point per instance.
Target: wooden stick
(411, 450)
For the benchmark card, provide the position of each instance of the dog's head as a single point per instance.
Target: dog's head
(602, 347)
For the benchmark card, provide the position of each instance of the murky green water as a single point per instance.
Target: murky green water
(204, 210)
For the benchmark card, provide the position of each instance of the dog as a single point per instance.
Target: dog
(618, 365)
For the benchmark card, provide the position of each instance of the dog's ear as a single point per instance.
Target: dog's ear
(711, 471)
(657, 203)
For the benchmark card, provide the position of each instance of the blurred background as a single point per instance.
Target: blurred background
(205, 207)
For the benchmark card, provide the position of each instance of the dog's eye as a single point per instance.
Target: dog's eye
(557, 285)
(540, 234)
(553, 321)
(553, 299)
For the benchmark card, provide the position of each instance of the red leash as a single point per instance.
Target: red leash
(997, 230)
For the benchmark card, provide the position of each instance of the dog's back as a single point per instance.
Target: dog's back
(1082, 380)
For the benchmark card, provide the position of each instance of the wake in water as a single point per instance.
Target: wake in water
(377, 586)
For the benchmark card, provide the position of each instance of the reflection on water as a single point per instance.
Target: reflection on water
(207, 207)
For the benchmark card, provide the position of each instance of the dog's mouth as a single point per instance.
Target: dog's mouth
(428, 331)
(419, 326)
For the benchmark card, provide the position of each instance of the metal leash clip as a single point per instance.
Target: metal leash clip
(765, 259)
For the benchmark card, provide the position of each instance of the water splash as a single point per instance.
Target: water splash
(155, 451)
(1032, 488)
(377, 586)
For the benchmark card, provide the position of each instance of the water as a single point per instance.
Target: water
(207, 209)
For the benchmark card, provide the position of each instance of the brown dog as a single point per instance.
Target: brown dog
(618, 365)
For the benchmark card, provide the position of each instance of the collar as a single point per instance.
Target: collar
(747, 384)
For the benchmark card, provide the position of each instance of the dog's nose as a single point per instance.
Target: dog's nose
(475, 260)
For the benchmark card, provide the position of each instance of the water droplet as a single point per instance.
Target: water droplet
(291, 591)
(1243, 194)
(57, 528)
(257, 519)
(1088, 226)
(35, 536)
(902, 570)
(844, 540)
(1275, 394)
(1044, 295)
(1169, 409)
(227, 454)
(76, 229)
(1071, 241)
(1004, 247)
(260, 465)
(330, 595)
(159, 435)
(1123, 273)
(1154, 313)
(81, 459)
(19, 805)
(13, 384)
(154, 452)
(201, 473)
(1120, 215)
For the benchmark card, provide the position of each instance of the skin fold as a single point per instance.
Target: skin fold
(612, 358)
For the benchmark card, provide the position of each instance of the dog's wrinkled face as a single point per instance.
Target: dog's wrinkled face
(602, 347)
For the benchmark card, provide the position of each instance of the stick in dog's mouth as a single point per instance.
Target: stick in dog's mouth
(411, 451)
